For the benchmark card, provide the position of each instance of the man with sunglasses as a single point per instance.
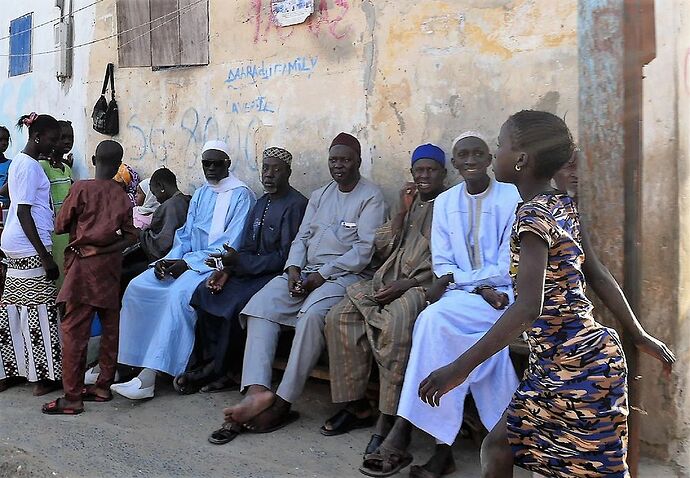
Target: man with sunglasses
(157, 322)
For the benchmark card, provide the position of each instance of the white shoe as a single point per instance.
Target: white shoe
(91, 376)
(133, 389)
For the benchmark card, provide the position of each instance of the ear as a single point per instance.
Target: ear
(93, 161)
(523, 161)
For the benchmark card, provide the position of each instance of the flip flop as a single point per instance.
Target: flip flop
(289, 418)
(224, 384)
(225, 434)
(88, 396)
(345, 421)
(54, 408)
(387, 461)
(374, 443)
(190, 387)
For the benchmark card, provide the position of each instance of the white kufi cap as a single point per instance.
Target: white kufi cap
(216, 145)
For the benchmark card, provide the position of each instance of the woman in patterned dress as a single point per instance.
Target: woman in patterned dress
(568, 417)
(29, 342)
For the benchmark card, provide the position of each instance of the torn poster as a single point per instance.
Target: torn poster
(291, 12)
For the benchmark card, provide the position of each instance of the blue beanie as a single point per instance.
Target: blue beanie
(429, 151)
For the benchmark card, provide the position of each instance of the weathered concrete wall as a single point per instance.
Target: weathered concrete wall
(663, 310)
(680, 441)
(39, 90)
(663, 427)
(394, 73)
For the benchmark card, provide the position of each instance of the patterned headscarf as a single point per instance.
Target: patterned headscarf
(123, 175)
(279, 153)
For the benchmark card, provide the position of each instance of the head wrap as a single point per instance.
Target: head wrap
(347, 140)
(123, 175)
(429, 151)
(217, 146)
(150, 201)
(279, 153)
(469, 134)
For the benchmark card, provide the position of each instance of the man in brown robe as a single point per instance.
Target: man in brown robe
(97, 214)
(376, 317)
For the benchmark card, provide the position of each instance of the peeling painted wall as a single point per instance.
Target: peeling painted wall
(396, 74)
(39, 90)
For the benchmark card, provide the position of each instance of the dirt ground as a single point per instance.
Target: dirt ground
(166, 437)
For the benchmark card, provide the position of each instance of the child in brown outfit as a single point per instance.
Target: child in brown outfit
(97, 214)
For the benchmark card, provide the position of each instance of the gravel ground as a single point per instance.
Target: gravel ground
(166, 437)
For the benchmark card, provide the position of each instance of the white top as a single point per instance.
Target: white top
(28, 184)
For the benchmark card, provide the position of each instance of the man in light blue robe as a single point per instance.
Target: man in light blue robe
(156, 322)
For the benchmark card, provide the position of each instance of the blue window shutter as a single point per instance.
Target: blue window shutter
(20, 45)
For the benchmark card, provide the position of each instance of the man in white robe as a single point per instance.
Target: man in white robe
(470, 246)
(156, 322)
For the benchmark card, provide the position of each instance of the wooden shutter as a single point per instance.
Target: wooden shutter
(165, 33)
(134, 47)
(193, 32)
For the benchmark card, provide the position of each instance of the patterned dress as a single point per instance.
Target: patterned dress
(568, 417)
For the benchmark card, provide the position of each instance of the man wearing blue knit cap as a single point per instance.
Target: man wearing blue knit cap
(376, 317)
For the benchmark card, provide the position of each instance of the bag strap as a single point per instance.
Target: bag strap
(112, 81)
(109, 75)
(105, 80)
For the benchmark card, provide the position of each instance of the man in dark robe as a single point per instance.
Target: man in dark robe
(270, 229)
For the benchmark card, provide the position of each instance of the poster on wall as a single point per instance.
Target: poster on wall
(291, 12)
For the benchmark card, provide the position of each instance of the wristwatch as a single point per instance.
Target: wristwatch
(480, 288)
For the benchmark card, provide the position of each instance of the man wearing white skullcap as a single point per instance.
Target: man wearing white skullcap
(157, 322)
(470, 245)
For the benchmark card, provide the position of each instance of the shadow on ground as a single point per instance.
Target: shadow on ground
(166, 437)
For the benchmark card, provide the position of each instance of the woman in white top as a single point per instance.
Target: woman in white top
(29, 343)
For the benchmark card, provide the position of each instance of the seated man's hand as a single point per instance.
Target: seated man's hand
(217, 281)
(295, 286)
(160, 268)
(313, 282)
(497, 300)
(393, 291)
(437, 289)
(228, 258)
(176, 268)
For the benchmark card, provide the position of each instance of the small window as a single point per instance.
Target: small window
(162, 33)
(20, 45)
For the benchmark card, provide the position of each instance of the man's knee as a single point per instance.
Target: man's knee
(311, 320)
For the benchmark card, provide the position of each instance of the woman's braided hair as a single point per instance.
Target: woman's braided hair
(545, 137)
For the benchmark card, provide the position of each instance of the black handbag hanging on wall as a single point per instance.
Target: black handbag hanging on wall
(105, 115)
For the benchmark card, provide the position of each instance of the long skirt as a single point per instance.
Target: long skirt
(29, 339)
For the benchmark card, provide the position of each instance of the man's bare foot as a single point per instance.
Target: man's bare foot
(271, 417)
(258, 399)
(43, 387)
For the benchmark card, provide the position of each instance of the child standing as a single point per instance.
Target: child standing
(59, 173)
(568, 417)
(97, 215)
(4, 163)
